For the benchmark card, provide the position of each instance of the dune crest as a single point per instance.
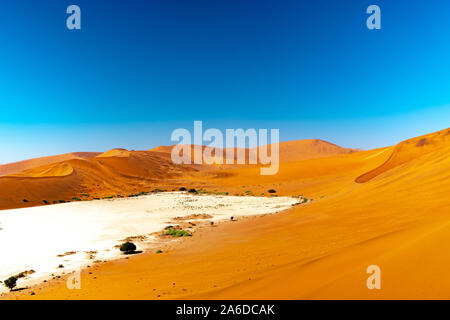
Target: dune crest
(53, 170)
(117, 152)
(16, 167)
(409, 150)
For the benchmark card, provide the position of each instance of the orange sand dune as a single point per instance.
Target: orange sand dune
(409, 150)
(59, 169)
(111, 174)
(20, 166)
(119, 152)
(397, 219)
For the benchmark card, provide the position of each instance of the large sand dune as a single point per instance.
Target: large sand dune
(20, 166)
(387, 207)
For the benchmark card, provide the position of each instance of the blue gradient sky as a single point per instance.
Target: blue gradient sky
(139, 69)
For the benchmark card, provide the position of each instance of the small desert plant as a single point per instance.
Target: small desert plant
(25, 200)
(182, 189)
(182, 233)
(272, 191)
(76, 199)
(85, 195)
(62, 201)
(159, 251)
(10, 283)
(177, 233)
(192, 190)
(45, 201)
(128, 247)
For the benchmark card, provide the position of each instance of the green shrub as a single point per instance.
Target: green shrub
(192, 190)
(10, 283)
(271, 191)
(159, 251)
(177, 233)
(76, 199)
(85, 195)
(45, 201)
(171, 232)
(182, 189)
(25, 200)
(128, 247)
(62, 201)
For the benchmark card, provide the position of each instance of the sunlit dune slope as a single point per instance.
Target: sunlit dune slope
(20, 166)
(59, 169)
(118, 152)
(409, 150)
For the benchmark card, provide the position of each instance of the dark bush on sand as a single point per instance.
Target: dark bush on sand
(128, 247)
(10, 283)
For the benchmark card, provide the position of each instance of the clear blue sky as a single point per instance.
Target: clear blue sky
(139, 69)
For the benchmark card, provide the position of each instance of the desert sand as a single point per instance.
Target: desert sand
(387, 207)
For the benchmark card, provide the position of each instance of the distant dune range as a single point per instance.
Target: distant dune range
(289, 151)
(121, 172)
(387, 207)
